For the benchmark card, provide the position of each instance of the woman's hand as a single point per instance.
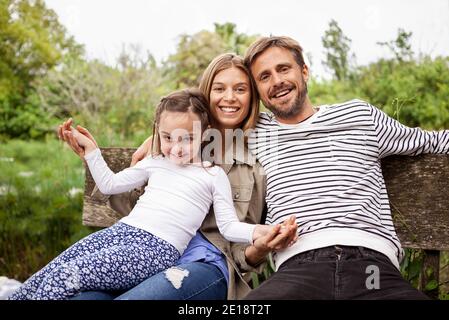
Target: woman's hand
(142, 151)
(278, 237)
(63, 131)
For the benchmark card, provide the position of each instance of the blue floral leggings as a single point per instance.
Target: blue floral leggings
(116, 258)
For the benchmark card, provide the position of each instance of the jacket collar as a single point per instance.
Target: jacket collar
(237, 153)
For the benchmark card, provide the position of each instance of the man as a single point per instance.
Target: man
(323, 165)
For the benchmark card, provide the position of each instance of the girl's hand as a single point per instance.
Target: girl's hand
(276, 237)
(66, 126)
(261, 230)
(86, 144)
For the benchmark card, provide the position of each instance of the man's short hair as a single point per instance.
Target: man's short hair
(262, 44)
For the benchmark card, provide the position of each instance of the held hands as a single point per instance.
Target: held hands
(84, 142)
(268, 238)
(66, 128)
(79, 139)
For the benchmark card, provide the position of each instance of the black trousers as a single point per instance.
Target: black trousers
(336, 272)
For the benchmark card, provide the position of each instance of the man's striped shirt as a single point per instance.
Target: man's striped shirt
(326, 171)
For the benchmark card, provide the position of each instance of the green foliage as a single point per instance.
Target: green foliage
(412, 269)
(412, 265)
(232, 40)
(195, 52)
(257, 279)
(40, 204)
(24, 119)
(115, 103)
(32, 42)
(400, 47)
(337, 47)
(444, 276)
(414, 92)
(326, 92)
(192, 56)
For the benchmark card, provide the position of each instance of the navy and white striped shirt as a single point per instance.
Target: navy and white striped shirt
(326, 171)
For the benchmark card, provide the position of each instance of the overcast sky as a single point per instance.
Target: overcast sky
(103, 26)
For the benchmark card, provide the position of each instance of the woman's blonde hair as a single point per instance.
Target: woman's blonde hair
(223, 62)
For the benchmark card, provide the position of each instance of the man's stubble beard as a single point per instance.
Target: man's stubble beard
(295, 109)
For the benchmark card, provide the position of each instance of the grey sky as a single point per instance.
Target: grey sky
(103, 26)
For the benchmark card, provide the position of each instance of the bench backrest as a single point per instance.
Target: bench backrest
(417, 188)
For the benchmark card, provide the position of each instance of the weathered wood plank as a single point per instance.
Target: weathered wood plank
(417, 187)
(96, 212)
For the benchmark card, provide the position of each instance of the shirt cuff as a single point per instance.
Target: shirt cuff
(91, 155)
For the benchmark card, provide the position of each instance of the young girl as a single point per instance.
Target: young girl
(158, 229)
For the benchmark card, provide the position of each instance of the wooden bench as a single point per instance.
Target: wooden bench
(417, 189)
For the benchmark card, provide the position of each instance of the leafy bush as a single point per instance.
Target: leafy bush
(415, 92)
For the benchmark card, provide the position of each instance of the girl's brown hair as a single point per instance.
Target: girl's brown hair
(223, 62)
(187, 100)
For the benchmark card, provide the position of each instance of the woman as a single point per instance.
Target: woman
(211, 267)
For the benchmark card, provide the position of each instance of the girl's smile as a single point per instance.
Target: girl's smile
(180, 136)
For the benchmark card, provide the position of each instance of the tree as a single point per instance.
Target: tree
(115, 103)
(400, 47)
(32, 42)
(415, 92)
(195, 52)
(233, 41)
(337, 47)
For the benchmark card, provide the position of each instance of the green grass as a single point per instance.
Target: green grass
(444, 275)
(40, 210)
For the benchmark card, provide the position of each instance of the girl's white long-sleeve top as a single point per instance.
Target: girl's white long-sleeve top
(176, 199)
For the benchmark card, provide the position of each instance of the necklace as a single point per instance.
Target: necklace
(315, 109)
